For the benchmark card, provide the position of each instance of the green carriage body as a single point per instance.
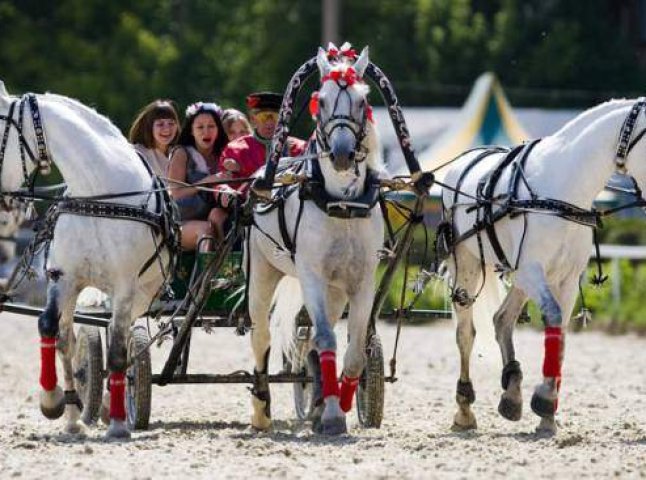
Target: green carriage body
(227, 288)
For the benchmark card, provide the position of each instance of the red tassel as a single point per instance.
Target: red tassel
(117, 396)
(348, 387)
(328, 373)
(552, 362)
(314, 104)
(48, 363)
(369, 114)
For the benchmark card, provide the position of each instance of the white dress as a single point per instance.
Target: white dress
(157, 161)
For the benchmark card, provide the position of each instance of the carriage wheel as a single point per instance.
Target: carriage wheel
(304, 364)
(370, 393)
(139, 380)
(87, 364)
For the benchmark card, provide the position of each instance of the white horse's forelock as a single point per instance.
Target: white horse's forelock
(3, 90)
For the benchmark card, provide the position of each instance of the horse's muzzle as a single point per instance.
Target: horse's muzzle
(342, 149)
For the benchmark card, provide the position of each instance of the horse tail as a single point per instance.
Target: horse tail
(287, 303)
(486, 305)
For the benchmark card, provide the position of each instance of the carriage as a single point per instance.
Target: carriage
(209, 290)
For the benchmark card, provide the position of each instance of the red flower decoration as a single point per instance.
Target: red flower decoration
(349, 76)
(350, 53)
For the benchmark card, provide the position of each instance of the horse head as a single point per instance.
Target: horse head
(340, 106)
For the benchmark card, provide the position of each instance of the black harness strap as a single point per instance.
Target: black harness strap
(486, 189)
(111, 210)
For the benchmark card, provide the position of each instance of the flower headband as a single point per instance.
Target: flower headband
(197, 107)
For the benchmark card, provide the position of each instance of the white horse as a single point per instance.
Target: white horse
(335, 259)
(94, 158)
(544, 255)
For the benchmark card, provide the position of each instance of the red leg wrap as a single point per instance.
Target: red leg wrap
(117, 396)
(552, 362)
(348, 387)
(48, 363)
(328, 373)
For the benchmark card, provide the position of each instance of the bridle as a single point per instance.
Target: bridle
(324, 130)
(626, 142)
(43, 160)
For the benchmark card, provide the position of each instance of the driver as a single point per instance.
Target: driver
(242, 157)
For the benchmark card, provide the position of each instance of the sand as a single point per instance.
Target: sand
(202, 431)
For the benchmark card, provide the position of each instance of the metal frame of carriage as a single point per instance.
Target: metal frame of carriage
(88, 359)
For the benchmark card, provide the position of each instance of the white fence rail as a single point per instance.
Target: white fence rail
(615, 253)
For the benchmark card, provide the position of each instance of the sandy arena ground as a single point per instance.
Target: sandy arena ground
(203, 431)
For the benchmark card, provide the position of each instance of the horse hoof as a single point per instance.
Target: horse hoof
(456, 427)
(547, 428)
(76, 428)
(52, 403)
(509, 409)
(260, 423)
(463, 422)
(260, 420)
(118, 429)
(104, 410)
(543, 407)
(334, 426)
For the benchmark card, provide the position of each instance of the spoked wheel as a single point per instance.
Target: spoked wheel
(305, 363)
(87, 364)
(370, 393)
(139, 380)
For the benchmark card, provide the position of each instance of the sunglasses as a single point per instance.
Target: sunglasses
(266, 116)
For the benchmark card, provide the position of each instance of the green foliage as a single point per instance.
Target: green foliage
(433, 298)
(625, 313)
(119, 55)
(623, 231)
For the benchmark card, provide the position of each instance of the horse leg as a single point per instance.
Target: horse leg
(117, 358)
(355, 355)
(545, 398)
(263, 280)
(315, 296)
(52, 398)
(466, 278)
(511, 401)
(66, 347)
(336, 302)
(566, 297)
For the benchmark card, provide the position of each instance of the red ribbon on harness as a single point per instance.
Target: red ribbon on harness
(314, 104)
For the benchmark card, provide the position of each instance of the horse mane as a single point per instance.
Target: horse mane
(94, 119)
(579, 123)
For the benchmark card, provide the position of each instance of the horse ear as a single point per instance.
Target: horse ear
(322, 62)
(3, 90)
(362, 62)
